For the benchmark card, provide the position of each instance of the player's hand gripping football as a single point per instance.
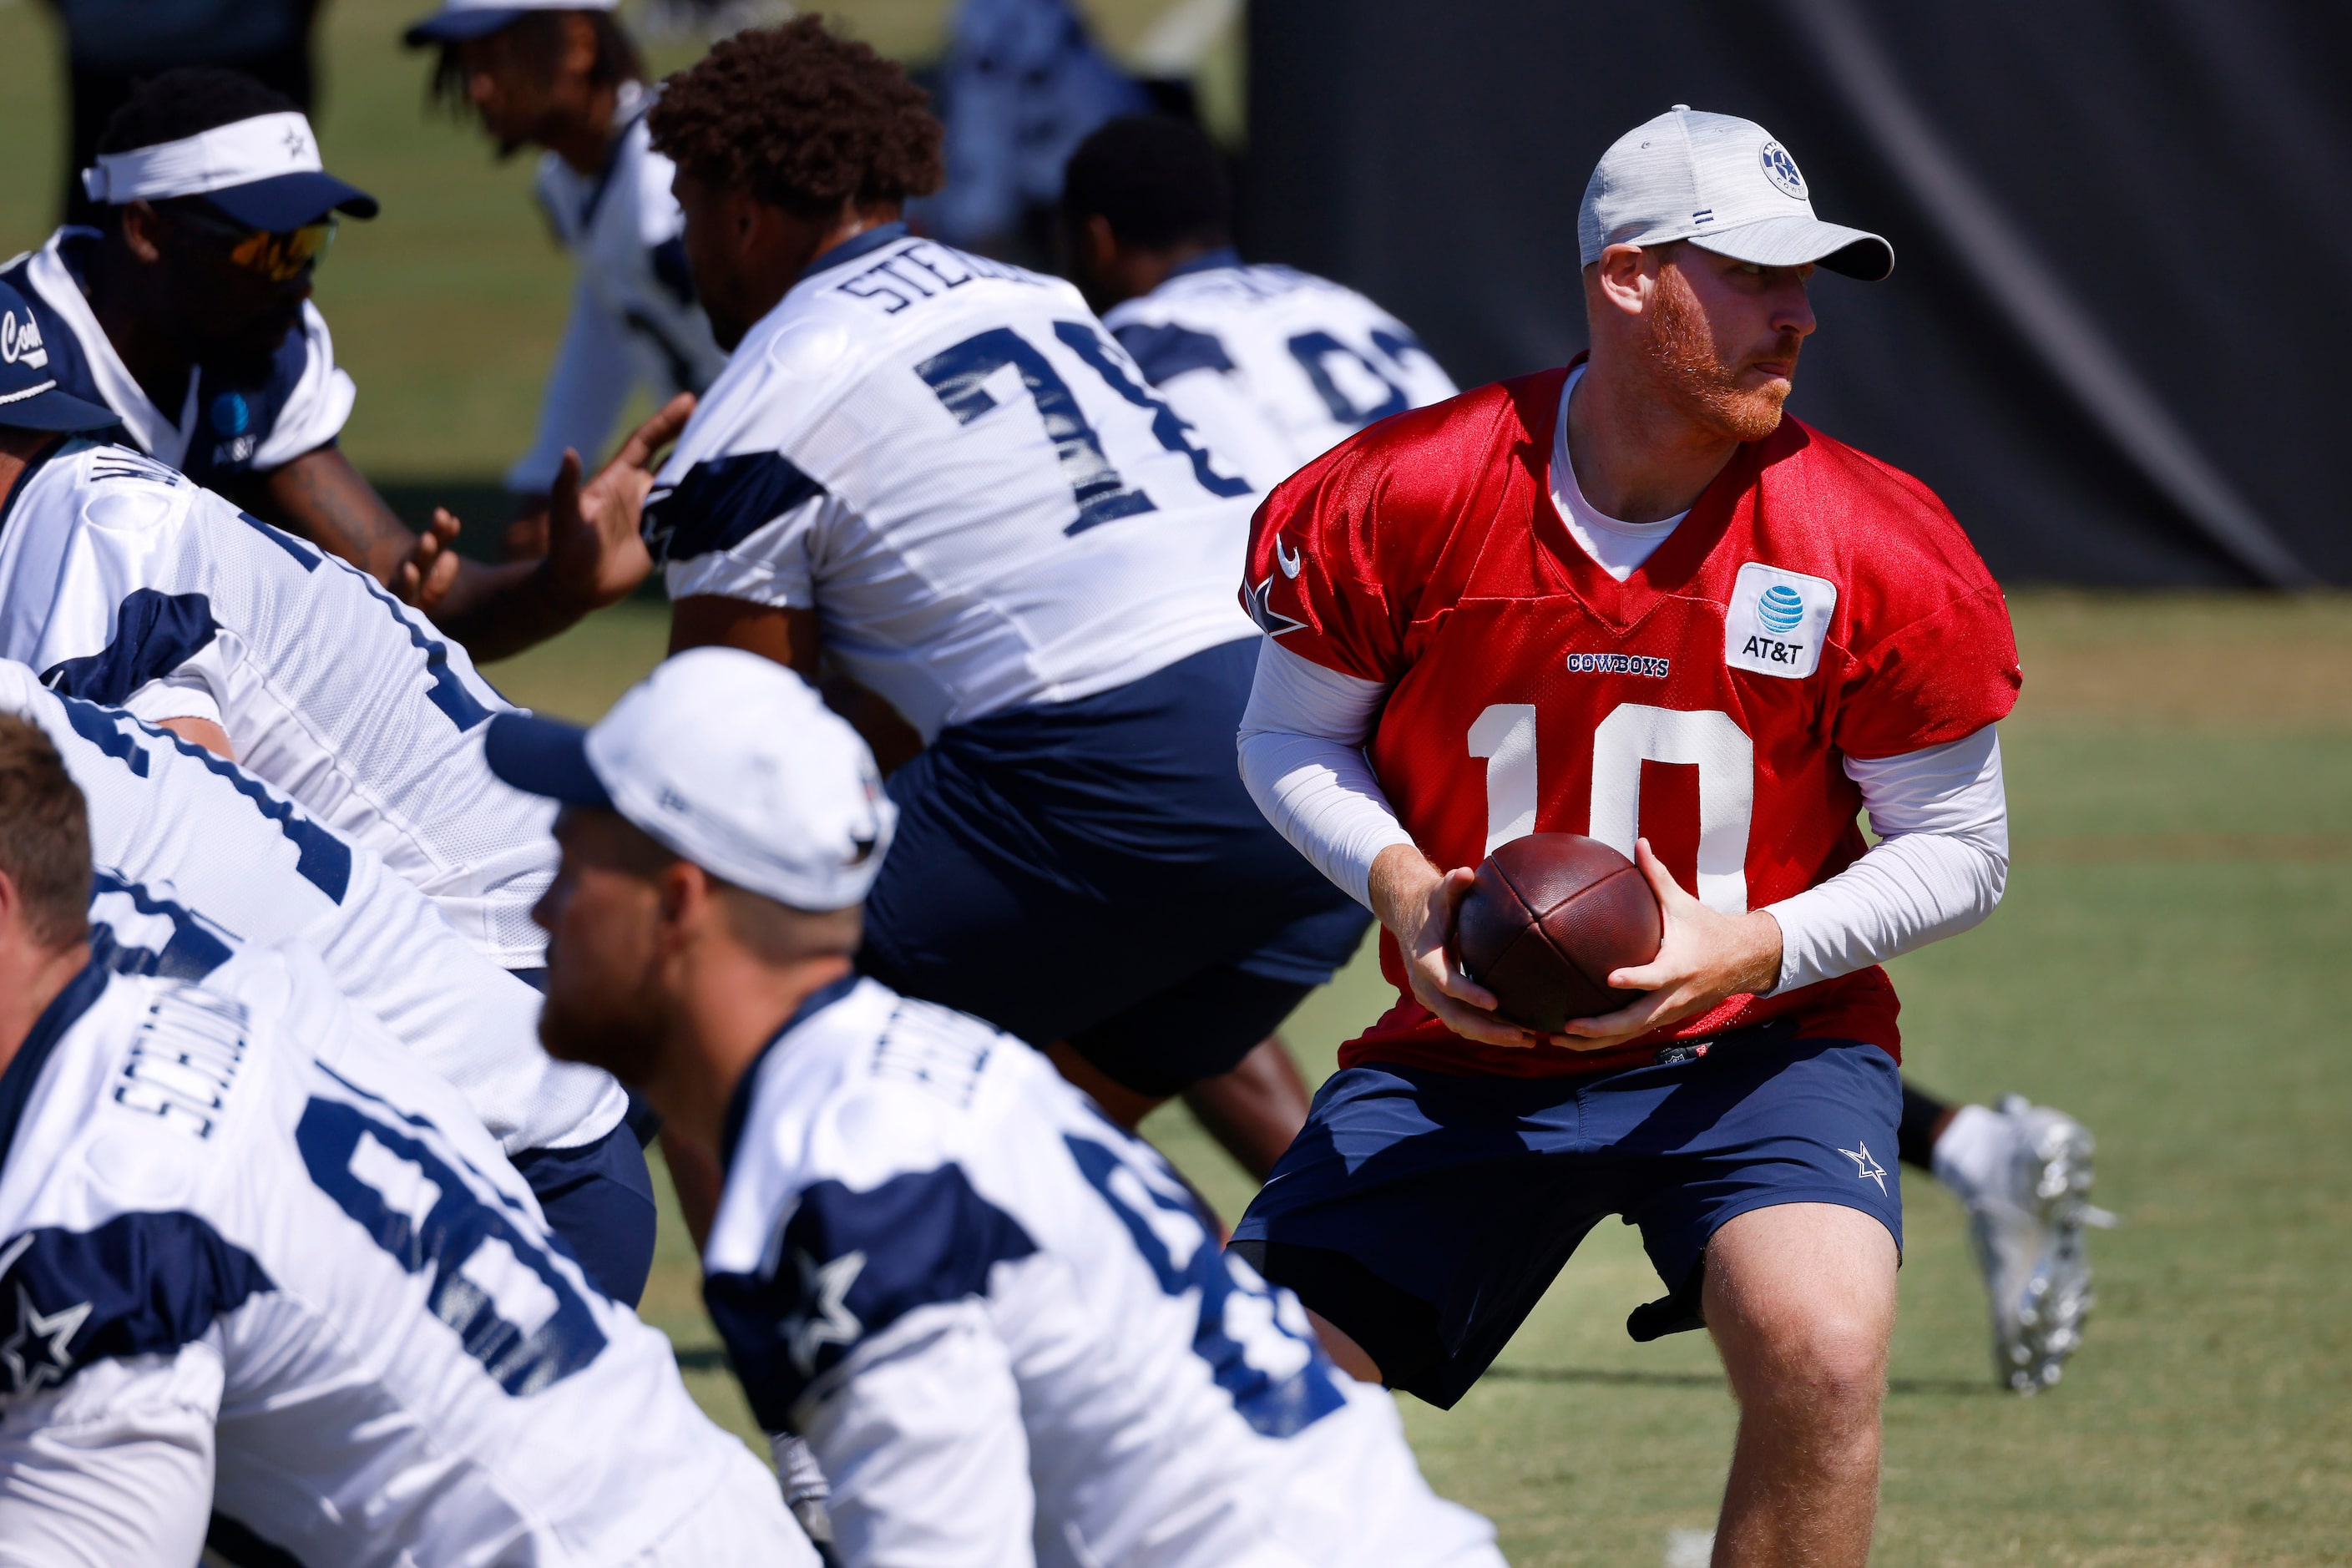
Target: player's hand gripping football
(1705, 956)
(1420, 905)
(594, 555)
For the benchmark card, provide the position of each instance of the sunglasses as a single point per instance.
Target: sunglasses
(279, 257)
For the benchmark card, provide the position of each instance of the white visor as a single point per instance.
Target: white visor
(240, 153)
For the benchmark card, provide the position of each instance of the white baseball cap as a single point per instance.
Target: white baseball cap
(729, 760)
(459, 20)
(1724, 184)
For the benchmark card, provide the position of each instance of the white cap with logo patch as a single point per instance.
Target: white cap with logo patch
(732, 761)
(1724, 184)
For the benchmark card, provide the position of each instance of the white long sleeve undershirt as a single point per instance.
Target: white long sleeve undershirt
(1940, 815)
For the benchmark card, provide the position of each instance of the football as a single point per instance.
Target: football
(1553, 913)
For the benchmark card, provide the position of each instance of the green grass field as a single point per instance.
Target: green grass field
(2168, 965)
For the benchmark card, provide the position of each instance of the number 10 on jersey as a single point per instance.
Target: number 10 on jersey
(1503, 734)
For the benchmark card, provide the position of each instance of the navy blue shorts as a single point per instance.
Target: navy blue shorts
(1425, 1214)
(599, 1198)
(1094, 871)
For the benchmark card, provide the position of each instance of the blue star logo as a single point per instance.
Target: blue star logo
(1864, 1167)
(1270, 621)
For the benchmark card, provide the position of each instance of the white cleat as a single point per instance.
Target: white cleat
(2027, 1219)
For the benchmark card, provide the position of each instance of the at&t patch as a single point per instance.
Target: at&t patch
(1778, 621)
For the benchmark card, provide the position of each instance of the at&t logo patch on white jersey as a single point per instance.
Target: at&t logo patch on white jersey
(1778, 621)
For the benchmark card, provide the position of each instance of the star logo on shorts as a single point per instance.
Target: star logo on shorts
(1270, 621)
(35, 1354)
(1864, 1167)
(824, 1317)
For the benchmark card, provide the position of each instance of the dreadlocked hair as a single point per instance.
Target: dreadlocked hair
(803, 119)
(539, 38)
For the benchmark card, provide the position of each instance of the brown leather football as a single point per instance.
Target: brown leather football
(1553, 913)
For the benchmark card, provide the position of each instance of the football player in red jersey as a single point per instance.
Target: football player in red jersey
(1631, 599)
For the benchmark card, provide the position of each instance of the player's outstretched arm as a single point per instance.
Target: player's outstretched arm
(321, 497)
(1705, 957)
(1419, 904)
(593, 558)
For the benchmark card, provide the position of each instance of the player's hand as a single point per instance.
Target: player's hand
(526, 537)
(1705, 957)
(425, 578)
(594, 555)
(1419, 905)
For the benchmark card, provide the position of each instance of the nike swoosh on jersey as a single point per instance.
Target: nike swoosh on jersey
(1291, 562)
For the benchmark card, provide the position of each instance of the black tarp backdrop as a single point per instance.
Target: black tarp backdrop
(2118, 339)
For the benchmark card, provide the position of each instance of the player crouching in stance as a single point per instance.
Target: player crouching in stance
(1629, 599)
(188, 315)
(943, 478)
(125, 585)
(1277, 366)
(264, 1279)
(194, 859)
(1003, 1323)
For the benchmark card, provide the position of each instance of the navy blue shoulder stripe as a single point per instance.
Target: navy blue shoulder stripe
(723, 501)
(24, 1069)
(154, 634)
(324, 859)
(140, 1283)
(304, 556)
(1165, 351)
(851, 1264)
(194, 950)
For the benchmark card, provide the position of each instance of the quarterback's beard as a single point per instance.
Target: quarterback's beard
(1682, 354)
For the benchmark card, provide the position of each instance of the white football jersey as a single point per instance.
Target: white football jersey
(220, 428)
(124, 583)
(195, 859)
(965, 476)
(635, 322)
(1305, 362)
(255, 1261)
(1010, 1334)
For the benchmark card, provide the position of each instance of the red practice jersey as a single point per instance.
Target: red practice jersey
(1815, 604)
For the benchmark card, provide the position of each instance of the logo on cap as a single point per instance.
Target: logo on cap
(1782, 170)
(20, 342)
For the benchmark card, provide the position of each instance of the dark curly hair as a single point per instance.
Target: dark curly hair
(802, 118)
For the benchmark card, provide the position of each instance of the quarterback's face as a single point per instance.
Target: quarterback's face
(1724, 336)
(603, 917)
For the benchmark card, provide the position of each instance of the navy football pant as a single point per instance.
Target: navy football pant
(1425, 1214)
(1093, 871)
